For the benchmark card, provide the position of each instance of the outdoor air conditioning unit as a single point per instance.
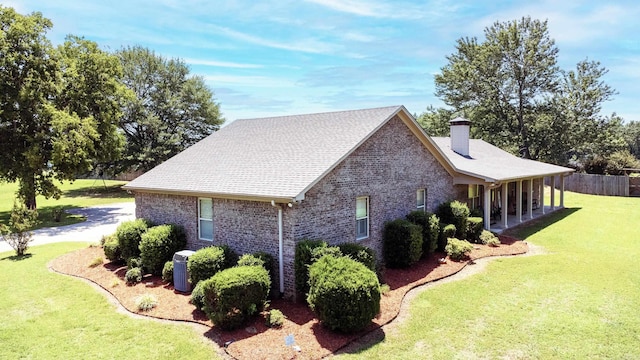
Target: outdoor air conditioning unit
(180, 274)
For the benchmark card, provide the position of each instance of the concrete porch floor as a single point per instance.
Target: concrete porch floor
(513, 221)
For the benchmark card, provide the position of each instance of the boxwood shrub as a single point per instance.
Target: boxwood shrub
(489, 238)
(458, 249)
(129, 234)
(111, 248)
(158, 244)
(474, 229)
(302, 259)
(360, 253)
(446, 231)
(430, 229)
(456, 213)
(233, 295)
(133, 276)
(230, 257)
(344, 294)
(167, 272)
(197, 295)
(402, 243)
(204, 263)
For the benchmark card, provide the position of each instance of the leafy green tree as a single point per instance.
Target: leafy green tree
(171, 109)
(17, 234)
(435, 121)
(631, 135)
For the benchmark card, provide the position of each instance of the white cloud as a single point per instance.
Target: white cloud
(374, 9)
(248, 81)
(225, 64)
(306, 45)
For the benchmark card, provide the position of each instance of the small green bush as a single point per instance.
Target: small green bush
(430, 229)
(129, 234)
(458, 249)
(275, 318)
(447, 231)
(268, 263)
(134, 263)
(146, 302)
(488, 238)
(158, 244)
(111, 249)
(359, 253)
(402, 243)
(230, 257)
(344, 294)
(234, 295)
(197, 296)
(474, 229)
(302, 260)
(97, 261)
(204, 263)
(167, 272)
(133, 276)
(319, 252)
(250, 260)
(456, 213)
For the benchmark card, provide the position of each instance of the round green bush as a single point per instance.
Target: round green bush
(134, 263)
(250, 260)
(302, 259)
(158, 245)
(230, 257)
(197, 295)
(402, 243)
(275, 318)
(430, 229)
(233, 295)
(359, 253)
(129, 234)
(447, 231)
(474, 229)
(205, 263)
(133, 276)
(344, 294)
(458, 249)
(488, 238)
(111, 248)
(167, 272)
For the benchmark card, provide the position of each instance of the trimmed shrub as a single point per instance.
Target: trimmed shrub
(301, 262)
(359, 253)
(275, 318)
(230, 257)
(204, 263)
(344, 294)
(134, 263)
(158, 245)
(488, 238)
(129, 234)
(234, 295)
(319, 252)
(477, 212)
(167, 272)
(456, 213)
(402, 243)
(474, 229)
(268, 263)
(133, 276)
(430, 229)
(458, 249)
(197, 296)
(250, 260)
(111, 249)
(446, 231)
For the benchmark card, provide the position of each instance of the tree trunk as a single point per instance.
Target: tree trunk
(27, 192)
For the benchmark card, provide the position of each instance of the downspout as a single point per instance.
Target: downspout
(280, 248)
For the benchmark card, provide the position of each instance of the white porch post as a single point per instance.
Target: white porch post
(542, 194)
(530, 199)
(519, 201)
(505, 193)
(562, 191)
(487, 207)
(553, 192)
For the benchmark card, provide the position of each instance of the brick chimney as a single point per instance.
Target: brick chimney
(460, 135)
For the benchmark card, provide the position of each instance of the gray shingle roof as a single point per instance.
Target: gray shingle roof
(279, 157)
(494, 164)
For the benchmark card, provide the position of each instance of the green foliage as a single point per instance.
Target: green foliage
(158, 244)
(344, 294)
(474, 229)
(268, 263)
(275, 318)
(111, 248)
(302, 259)
(402, 243)
(133, 276)
(171, 109)
(129, 234)
(146, 302)
(197, 295)
(435, 121)
(230, 256)
(458, 249)
(133, 263)
(359, 253)
(250, 260)
(205, 263)
(17, 234)
(456, 213)
(488, 238)
(167, 272)
(612, 164)
(430, 229)
(233, 295)
(446, 231)
(321, 251)
(96, 262)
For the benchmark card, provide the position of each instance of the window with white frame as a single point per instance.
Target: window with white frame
(421, 199)
(362, 217)
(205, 219)
(474, 196)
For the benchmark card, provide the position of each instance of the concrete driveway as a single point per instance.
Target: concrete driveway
(101, 220)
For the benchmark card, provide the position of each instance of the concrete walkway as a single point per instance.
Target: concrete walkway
(101, 220)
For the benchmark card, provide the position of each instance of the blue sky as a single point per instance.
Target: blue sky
(268, 58)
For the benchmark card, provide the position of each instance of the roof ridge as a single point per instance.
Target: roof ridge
(395, 107)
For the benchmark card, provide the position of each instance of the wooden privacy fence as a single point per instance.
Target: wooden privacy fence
(601, 184)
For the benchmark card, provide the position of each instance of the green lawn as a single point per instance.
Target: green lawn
(50, 316)
(581, 300)
(80, 193)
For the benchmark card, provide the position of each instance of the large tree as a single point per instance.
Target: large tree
(45, 135)
(171, 109)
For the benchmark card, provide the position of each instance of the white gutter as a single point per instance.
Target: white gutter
(280, 247)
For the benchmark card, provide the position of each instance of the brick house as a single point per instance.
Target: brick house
(264, 184)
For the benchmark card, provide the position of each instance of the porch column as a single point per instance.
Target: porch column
(486, 205)
(505, 193)
(542, 194)
(519, 201)
(530, 199)
(562, 191)
(553, 192)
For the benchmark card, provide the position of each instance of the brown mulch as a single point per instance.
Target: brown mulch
(255, 340)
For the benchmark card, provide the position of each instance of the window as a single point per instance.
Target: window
(474, 197)
(362, 218)
(421, 199)
(205, 219)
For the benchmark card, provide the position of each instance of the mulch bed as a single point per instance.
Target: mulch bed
(255, 340)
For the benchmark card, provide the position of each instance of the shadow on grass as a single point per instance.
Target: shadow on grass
(98, 191)
(46, 216)
(16, 257)
(526, 230)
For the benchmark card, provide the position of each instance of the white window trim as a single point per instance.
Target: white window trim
(366, 198)
(200, 219)
(422, 207)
